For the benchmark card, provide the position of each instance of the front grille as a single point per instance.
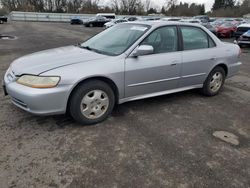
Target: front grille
(245, 38)
(19, 102)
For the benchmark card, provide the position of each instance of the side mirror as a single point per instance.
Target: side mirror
(143, 50)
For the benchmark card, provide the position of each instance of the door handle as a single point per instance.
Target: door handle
(174, 63)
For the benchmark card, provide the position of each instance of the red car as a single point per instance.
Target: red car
(226, 30)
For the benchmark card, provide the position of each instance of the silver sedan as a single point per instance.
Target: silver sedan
(127, 62)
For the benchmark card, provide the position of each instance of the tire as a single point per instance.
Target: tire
(91, 25)
(91, 102)
(214, 82)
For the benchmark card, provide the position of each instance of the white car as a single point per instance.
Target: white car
(114, 22)
(191, 21)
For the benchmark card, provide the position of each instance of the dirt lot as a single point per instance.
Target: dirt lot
(160, 142)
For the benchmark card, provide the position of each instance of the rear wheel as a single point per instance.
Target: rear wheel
(214, 82)
(92, 102)
(91, 25)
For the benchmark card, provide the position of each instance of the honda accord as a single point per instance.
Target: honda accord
(127, 62)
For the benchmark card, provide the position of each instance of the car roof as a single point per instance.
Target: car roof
(244, 25)
(159, 23)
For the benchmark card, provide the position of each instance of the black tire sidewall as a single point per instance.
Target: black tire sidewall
(80, 92)
(206, 89)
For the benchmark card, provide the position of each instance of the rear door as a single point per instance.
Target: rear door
(199, 55)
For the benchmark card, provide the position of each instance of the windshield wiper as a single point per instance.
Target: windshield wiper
(87, 47)
(91, 49)
(95, 50)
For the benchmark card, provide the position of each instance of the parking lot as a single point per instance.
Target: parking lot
(165, 141)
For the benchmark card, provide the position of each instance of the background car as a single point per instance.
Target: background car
(3, 19)
(191, 21)
(96, 22)
(211, 28)
(109, 16)
(171, 19)
(202, 18)
(76, 21)
(151, 18)
(240, 20)
(244, 40)
(226, 30)
(217, 22)
(241, 29)
(132, 18)
(114, 22)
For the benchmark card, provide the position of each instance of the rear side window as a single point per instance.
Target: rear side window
(195, 38)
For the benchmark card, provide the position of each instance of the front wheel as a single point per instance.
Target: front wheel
(214, 82)
(92, 102)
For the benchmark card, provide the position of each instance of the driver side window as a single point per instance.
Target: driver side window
(163, 40)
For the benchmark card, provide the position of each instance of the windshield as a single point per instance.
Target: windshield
(248, 32)
(116, 40)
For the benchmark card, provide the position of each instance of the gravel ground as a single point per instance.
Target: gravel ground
(159, 142)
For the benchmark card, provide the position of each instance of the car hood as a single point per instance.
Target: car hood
(43, 61)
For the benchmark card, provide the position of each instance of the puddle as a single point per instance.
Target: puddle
(227, 137)
(7, 37)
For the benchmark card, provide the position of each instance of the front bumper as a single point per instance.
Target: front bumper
(38, 101)
(243, 42)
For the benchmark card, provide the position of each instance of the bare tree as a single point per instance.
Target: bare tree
(115, 4)
(147, 5)
(170, 5)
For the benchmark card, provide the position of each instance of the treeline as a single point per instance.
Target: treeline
(230, 8)
(131, 7)
(184, 9)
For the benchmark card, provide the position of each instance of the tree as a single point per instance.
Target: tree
(115, 4)
(152, 11)
(202, 9)
(147, 5)
(170, 5)
(218, 4)
(163, 10)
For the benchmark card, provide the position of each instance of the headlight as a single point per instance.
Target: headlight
(39, 81)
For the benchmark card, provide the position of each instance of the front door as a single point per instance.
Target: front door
(156, 72)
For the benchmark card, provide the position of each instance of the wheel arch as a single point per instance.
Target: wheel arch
(224, 66)
(108, 81)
